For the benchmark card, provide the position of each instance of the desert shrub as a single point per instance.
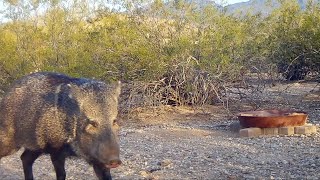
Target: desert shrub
(167, 52)
(295, 40)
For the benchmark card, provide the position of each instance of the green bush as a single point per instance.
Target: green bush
(295, 40)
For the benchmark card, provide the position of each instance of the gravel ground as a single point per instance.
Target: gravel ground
(187, 143)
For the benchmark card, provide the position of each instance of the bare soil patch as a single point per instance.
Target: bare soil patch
(199, 143)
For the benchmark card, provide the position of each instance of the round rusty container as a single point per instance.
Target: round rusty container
(272, 118)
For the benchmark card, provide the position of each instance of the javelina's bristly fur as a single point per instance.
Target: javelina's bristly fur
(62, 116)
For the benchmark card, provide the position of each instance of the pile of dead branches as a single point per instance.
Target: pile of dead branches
(182, 85)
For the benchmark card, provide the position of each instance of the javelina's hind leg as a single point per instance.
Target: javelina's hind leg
(102, 172)
(28, 157)
(58, 161)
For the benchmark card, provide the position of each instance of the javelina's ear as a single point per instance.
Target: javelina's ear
(117, 88)
(76, 93)
(91, 127)
(114, 90)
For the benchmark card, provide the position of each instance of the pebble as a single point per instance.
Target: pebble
(165, 162)
(143, 173)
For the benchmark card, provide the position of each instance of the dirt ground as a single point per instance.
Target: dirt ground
(203, 143)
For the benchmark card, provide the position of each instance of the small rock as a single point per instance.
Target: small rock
(165, 162)
(235, 126)
(144, 173)
(153, 169)
(232, 177)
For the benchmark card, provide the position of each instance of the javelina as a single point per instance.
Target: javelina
(62, 116)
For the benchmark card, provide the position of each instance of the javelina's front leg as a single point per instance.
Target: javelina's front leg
(28, 157)
(102, 172)
(58, 160)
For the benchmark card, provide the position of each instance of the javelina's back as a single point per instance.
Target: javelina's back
(28, 109)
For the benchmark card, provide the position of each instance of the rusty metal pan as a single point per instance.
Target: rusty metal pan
(272, 118)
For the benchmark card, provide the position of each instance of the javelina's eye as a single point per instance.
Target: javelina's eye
(91, 127)
(94, 123)
(115, 124)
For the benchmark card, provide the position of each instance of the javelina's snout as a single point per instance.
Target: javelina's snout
(112, 157)
(113, 163)
(109, 154)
